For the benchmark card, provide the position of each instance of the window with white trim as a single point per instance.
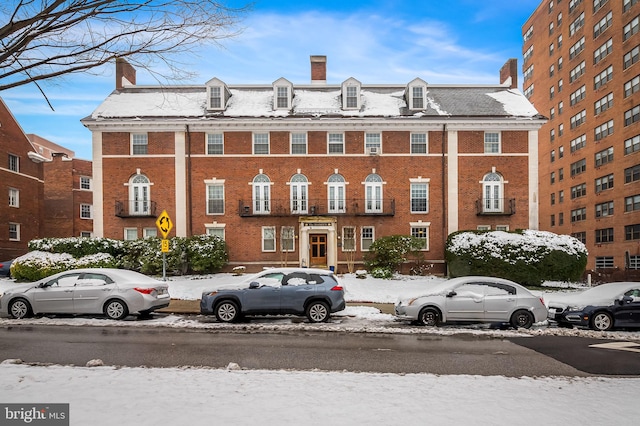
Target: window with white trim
(85, 183)
(261, 194)
(419, 197)
(491, 142)
(14, 231)
(298, 143)
(299, 188)
(603, 78)
(260, 143)
(421, 232)
(215, 97)
(373, 193)
(139, 195)
(631, 57)
(492, 192)
(215, 144)
(367, 237)
(215, 230)
(139, 144)
(269, 238)
(335, 142)
(351, 94)
(130, 234)
(14, 197)
(603, 103)
(603, 51)
(85, 211)
(372, 143)
(418, 143)
(85, 234)
(577, 23)
(632, 86)
(282, 97)
(576, 48)
(348, 238)
(150, 232)
(287, 238)
(336, 188)
(577, 72)
(603, 130)
(215, 198)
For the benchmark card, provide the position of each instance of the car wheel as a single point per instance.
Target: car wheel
(20, 308)
(318, 312)
(602, 321)
(116, 310)
(522, 319)
(227, 311)
(429, 317)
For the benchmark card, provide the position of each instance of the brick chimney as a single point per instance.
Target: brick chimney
(125, 74)
(509, 73)
(318, 69)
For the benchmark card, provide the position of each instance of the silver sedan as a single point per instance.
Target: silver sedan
(115, 293)
(474, 299)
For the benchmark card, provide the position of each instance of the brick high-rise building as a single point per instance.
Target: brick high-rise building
(581, 70)
(312, 174)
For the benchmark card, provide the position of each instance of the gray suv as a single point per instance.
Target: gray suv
(315, 293)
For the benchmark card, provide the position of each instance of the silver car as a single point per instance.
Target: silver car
(115, 293)
(315, 293)
(474, 299)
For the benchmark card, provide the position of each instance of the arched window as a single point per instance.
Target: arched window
(261, 194)
(373, 193)
(299, 190)
(336, 188)
(492, 193)
(139, 195)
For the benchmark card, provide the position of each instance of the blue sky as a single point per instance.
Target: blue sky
(394, 41)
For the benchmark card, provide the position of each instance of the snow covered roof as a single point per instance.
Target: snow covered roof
(172, 102)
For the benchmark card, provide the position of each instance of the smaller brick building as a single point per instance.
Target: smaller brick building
(21, 187)
(49, 192)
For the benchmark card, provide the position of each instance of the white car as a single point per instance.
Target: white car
(474, 299)
(115, 293)
(561, 305)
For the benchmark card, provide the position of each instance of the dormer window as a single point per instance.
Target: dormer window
(217, 95)
(415, 93)
(215, 98)
(351, 94)
(282, 94)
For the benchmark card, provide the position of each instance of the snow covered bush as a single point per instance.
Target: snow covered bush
(206, 253)
(36, 265)
(528, 257)
(78, 246)
(388, 253)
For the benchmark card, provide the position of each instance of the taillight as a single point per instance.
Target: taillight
(144, 290)
(336, 288)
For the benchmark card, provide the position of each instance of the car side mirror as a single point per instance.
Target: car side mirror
(451, 293)
(625, 299)
(254, 284)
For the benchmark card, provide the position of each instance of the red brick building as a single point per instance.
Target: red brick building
(68, 197)
(313, 174)
(581, 70)
(21, 185)
(49, 194)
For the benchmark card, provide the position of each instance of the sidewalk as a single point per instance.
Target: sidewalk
(178, 306)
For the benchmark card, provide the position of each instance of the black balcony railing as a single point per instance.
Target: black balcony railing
(496, 207)
(135, 208)
(317, 207)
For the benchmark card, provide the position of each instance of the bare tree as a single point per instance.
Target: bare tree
(45, 39)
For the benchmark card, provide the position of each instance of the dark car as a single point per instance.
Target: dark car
(625, 312)
(5, 268)
(315, 293)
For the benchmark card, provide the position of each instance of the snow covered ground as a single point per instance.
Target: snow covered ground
(104, 395)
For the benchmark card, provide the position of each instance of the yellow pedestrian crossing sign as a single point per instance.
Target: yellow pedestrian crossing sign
(164, 224)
